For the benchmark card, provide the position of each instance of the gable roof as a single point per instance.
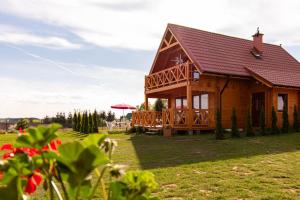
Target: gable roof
(221, 54)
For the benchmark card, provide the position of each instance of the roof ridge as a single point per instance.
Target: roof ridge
(230, 36)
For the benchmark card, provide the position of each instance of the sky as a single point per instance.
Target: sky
(57, 56)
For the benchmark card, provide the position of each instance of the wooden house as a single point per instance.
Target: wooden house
(199, 71)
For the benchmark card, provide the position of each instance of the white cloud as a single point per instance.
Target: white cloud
(14, 35)
(102, 88)
(139, 24)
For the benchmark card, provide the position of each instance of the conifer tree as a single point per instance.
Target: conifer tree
(285, 120)
(83, 126)
(296, 119)
(86, 123)
(74, 124)
(219, 129)
(274, 127)
(234, 128)
(95, 122)
(90, 125)
(262, 120)
(79, 121)
(249, 128)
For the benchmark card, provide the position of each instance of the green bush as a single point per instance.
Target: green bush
(132, 130)
(285, 120)
(23, 124)
(274, 129)
(219, 129)
(139, 130)
(296, 119)
(234, 128)
(249, 128)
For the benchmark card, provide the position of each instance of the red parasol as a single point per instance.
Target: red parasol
(123, 106)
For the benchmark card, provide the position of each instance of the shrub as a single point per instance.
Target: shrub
(95, 122)
(296, 119)
(249, 128)
(234, 128)
(74, 123)
(42, 161)
(22, 124)
(132, 130)
(285, 120)
(219, 130)
(159, 105)
(262, 121)
(274, 128)
(139, 130)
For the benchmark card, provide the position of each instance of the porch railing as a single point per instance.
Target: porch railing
(173, 118)
(173, 75)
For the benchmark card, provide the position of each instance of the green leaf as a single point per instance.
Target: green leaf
(9, 191)
(95, 139)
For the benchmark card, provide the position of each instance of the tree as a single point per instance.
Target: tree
(83, 123)
(110, 116)
(262, 123)
(46, 120)
(86, 123)
(274, 128)
(22, 123)
(90, 124)
(219, 129)
(79, 121)
(69, 120)
(285, 120)
(249, 128)
(140, 107)
(234, 128)
(159, 105)
(296, 119)
(95, 122)
(74, 124)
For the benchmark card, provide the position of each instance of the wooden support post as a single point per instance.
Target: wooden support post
(189, 106)
(146, 102)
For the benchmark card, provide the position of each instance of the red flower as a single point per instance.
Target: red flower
(53, 145)
(6, 147)
(32, 183)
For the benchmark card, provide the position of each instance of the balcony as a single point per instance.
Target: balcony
(174, 118)
(174, 75)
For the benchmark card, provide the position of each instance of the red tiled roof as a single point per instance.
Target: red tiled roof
(216, 53)
(275, 77)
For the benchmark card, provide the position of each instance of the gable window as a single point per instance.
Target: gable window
(181, 103)
(200, 101)
(282, 100)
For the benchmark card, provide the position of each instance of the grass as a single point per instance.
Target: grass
(200, 167)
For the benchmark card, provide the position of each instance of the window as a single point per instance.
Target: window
(282, 101)
(200, 101)
(181, 103)
(196, 75)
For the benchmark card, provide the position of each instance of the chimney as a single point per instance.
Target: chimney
(258, 41)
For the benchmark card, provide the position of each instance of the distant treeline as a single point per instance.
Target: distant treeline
(84, 122)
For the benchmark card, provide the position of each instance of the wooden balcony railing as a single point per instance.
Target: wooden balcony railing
(147, 118)
(174, 75)
(173, 118)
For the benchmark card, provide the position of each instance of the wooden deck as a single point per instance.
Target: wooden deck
(185, 119)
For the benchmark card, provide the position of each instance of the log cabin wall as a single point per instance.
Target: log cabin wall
(236, 95)
(293, 99)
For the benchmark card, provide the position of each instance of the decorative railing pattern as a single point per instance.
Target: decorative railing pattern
(173, 118)
(147, 118)
(200, 117)
(174, 75)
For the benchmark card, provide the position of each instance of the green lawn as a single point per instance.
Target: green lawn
(200, 167)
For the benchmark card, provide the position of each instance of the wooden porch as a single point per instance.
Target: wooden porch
(184, 119)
